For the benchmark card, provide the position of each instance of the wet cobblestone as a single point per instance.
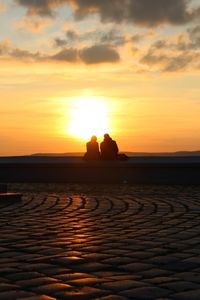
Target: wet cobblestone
(100, 242)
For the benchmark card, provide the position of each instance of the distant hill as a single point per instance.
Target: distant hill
(178, 153)
(59, 154)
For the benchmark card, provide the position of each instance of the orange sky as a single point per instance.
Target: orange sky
(141, 75)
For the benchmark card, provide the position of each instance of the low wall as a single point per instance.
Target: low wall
(102, 172)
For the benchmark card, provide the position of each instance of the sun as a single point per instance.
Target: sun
(89, 117)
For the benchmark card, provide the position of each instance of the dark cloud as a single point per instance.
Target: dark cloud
(72, 35)
(96, 54)
(170, 62)
(153, 58)
(179, 63)
(113, 37)
(25, 54)
(89, 55)
(188, 41)
(7, 50)
(67, 55)
(156, 12)
(60, 42)
(110, 37)
(175, 55)
(143, 12)
(99, 54)
(41, 7)
(138, 37)
(194, 36)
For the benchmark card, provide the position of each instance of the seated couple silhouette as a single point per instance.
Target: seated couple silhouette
(108, 149)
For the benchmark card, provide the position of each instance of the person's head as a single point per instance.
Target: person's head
(93, 138)
(106, 137)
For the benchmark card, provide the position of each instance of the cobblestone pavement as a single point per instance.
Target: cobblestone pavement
(101, 242)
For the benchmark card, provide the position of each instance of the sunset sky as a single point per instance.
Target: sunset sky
(72, 68)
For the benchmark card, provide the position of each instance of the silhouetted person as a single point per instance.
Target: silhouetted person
(92, 149)
(109, 148)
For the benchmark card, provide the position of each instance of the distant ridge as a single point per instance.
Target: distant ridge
(78, 154)
(59, 154)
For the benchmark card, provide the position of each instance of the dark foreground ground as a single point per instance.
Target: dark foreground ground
(101, 242)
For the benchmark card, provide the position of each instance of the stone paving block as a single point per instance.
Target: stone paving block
(85, 293)
(90, 281)
(117, 260)
(145, 293)
(6, 271)
(111, 297)
(155, 272)
(36, 267)
(14, 294)
(162, 279)
(180, 286)
(136, 267)
(52, 288)
(55, 271)
(120, 285)
(73, 276)
(181, 266)
(187, 295)
(163, 260)
(6, 287)
(189, 276)
(36, 282)
(23, 276)
(37, 297)
(92, 267)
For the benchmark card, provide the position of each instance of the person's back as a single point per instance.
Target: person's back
(109, 148)
(92, 149)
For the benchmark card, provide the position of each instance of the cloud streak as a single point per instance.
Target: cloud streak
(96, 54)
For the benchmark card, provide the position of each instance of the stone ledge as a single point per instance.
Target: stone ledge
(144, 170)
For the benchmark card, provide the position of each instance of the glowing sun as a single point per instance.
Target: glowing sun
(89, 117)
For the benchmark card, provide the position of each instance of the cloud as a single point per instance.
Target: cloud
(33, 24)
(96, 54)
(41, 7)
(110, 37)
(170, 63)
(153, 58)
(179, 63)
(137, 37)
(60, 42)
(25, 54)
(67, 55)
(6, 50)
(177, 54)
(99, 54)
(113, 37)
(142, 12)
(72, 35)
